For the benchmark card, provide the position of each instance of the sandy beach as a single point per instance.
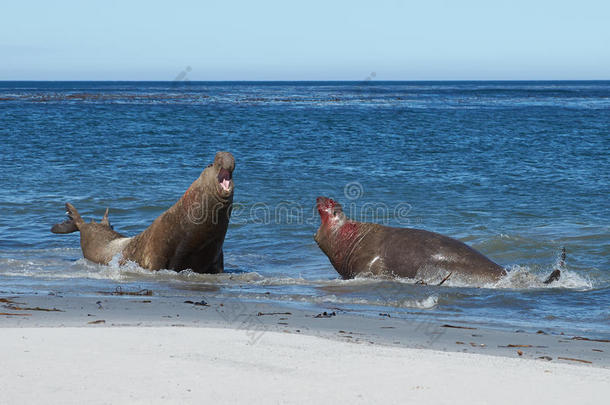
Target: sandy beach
(139, 348)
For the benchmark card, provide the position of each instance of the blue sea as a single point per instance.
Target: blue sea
(516, 170)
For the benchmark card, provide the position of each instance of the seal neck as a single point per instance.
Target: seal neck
(339, 242)
(201, 208)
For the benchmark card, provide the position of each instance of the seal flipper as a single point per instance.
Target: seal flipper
(553, 277)
(557, 273)
(68, 226)
(104, 220)
(72, 224)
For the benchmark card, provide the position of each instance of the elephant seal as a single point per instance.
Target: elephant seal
(366, 248)
(189, 235)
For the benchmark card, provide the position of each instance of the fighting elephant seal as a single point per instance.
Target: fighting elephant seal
(365, 248)
(189, 235)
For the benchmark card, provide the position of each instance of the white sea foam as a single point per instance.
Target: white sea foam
(55, 267)
(521, 277)
(332, 299)
(426, 303)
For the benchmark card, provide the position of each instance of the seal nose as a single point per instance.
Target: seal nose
(324, 203)
(320, 203)
(225, 160)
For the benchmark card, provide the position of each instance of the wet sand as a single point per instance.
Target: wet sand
(144, 348)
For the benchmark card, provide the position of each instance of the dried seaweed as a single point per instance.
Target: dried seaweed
(456, 327)
(573, 359)
(14, 308)
(99, 321)
(591, 340)
(119, 291)
(273, 313)
(7, 314)
(325, 315)
(201, 303)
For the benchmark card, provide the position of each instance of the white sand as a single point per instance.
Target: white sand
(206, 365)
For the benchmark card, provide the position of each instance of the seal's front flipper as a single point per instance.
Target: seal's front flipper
(68, 226)
(71, 224)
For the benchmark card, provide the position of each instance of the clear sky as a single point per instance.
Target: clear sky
(306, 40)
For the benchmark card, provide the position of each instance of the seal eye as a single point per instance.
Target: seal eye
(335, 213)
(210, 165)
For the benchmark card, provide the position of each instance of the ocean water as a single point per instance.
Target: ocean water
(517, 170)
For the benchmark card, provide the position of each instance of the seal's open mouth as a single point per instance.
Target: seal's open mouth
(325, 204)
(224, 179)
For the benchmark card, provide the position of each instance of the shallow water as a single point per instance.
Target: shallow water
(515, 169)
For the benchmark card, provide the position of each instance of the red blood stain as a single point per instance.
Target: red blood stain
(348, 231)
(325, 207)
(343, 241)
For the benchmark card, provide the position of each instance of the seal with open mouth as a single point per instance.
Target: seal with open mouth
(366, 248)
(189, 235)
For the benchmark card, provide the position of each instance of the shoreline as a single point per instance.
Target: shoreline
(152, 349)
(255, 319)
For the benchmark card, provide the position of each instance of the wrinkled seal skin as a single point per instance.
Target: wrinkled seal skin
(365, 248)
(189, 235)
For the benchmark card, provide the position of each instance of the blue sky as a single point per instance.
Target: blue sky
(308, 40)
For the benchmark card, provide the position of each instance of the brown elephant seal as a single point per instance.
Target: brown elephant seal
(189, 235)
(365, 248)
